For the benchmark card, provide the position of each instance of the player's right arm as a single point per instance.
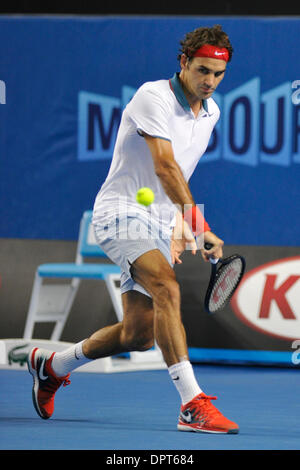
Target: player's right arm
(175, 186)
(149, 112)
(168, 171)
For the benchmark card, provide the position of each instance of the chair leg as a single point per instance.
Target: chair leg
(37, 313)
(115, 294)
(29, 326)
(59, 326)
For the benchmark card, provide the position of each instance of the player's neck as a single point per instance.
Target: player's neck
(196, 107)
(194, 102)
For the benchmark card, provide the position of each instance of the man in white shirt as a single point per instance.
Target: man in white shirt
(164, 131)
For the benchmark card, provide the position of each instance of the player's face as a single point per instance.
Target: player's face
(202, 75)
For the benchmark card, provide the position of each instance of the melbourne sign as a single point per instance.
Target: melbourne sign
(255, 127)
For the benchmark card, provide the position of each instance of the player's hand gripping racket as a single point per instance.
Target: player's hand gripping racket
(223, 280)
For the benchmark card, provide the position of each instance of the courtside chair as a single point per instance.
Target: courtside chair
(52, 302)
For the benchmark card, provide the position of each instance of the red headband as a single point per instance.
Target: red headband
(212, 51)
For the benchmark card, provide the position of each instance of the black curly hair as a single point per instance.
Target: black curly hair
(204, 35)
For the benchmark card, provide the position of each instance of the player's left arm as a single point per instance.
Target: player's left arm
(182, 239)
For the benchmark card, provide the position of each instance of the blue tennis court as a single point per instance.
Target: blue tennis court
(138, 411)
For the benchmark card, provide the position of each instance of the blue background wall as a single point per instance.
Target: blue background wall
(54, 68)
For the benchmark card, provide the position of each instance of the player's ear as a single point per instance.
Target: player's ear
(184, 61)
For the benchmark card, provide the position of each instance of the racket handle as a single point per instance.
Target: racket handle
(208, 246)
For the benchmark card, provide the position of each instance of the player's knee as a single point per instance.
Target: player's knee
(145, 344)
(140, 342)
(139, 337)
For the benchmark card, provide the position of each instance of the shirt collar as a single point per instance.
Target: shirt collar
(179, 93)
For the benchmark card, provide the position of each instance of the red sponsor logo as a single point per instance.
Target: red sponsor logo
(268, 298)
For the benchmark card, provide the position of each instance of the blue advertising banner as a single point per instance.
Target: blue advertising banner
(64, 82)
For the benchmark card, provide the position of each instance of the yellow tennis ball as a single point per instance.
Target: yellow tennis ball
(145, 196)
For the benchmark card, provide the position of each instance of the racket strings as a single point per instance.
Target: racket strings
(225, 284)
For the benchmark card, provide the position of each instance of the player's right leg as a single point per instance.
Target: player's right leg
(197, 413)
(153, 272)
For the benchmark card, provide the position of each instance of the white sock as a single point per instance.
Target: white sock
(183, 377)
(71, 358)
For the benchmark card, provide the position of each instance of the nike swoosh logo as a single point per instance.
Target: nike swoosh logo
(186, 416)
(41, 371)
(219, 53)
(176, 378)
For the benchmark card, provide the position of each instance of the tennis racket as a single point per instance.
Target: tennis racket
(224, 279)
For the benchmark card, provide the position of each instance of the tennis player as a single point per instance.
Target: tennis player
(164, 131)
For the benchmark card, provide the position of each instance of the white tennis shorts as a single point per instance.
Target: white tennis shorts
(125, 239)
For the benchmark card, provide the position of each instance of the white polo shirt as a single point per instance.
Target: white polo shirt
(160, 109)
